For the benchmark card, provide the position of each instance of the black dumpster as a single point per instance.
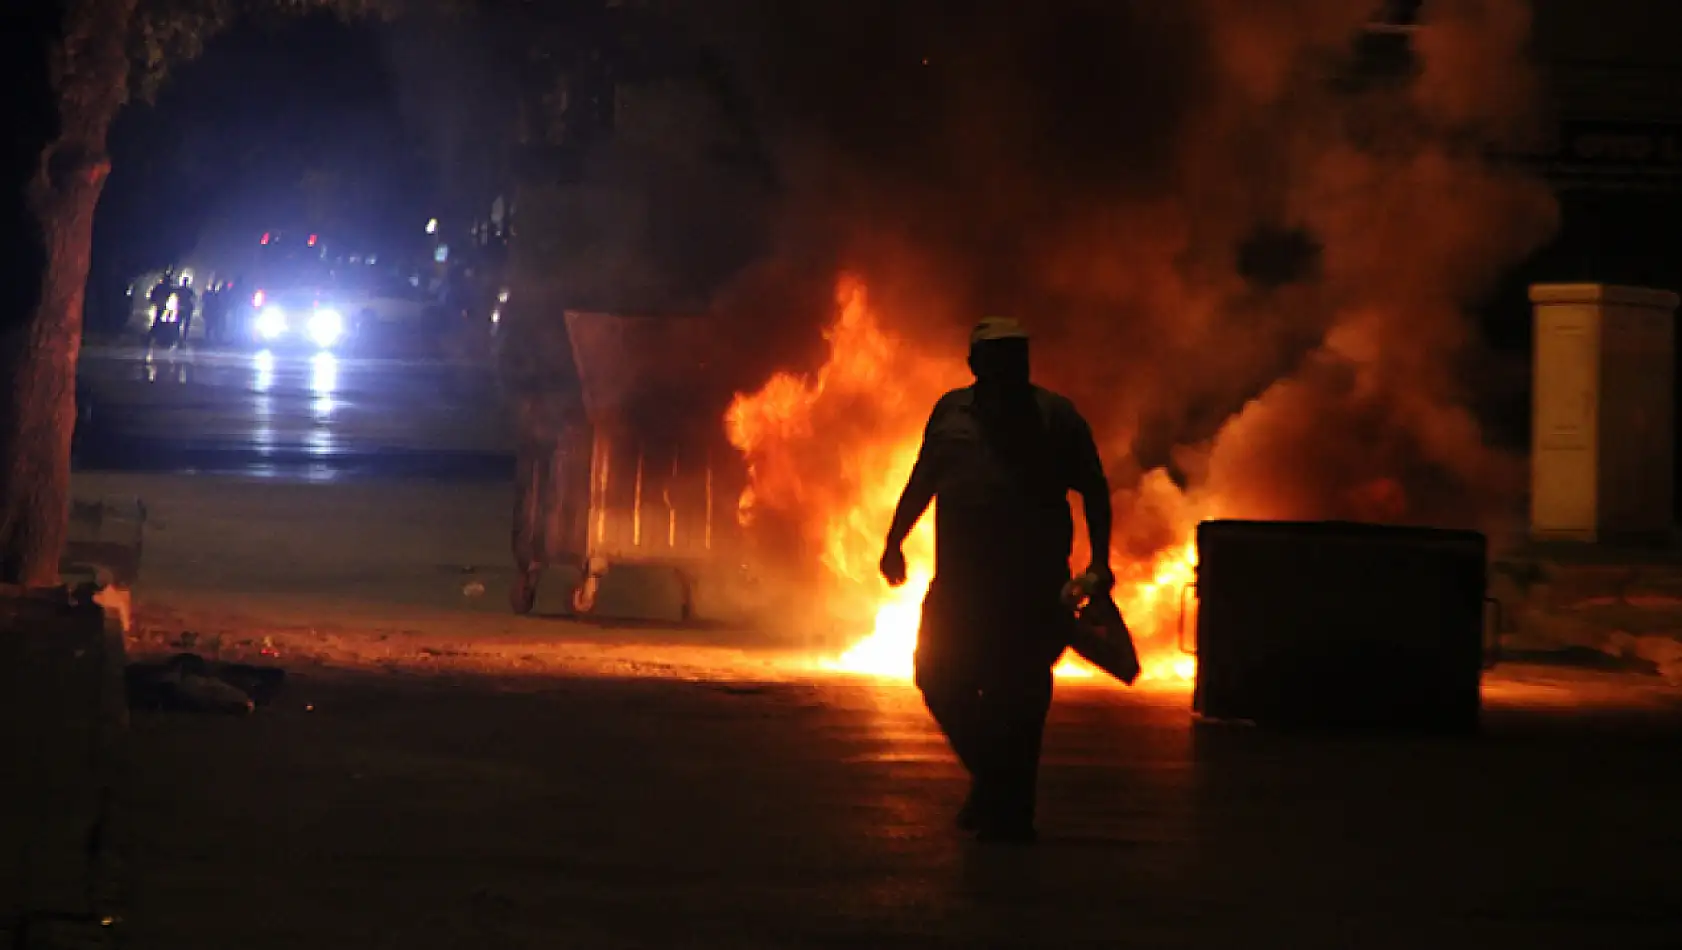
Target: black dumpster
(1333, 625)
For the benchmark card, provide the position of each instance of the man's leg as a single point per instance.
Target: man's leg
(953, 696)
(1012, 712)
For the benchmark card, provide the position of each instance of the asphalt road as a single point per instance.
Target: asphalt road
(305, 416)
(401, 811)
(413, 811)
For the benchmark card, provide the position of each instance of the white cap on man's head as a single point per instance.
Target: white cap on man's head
(997, 328)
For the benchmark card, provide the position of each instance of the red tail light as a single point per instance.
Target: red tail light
(265, 237)
(312, 240)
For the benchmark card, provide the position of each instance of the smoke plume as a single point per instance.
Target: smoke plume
(1246, 235)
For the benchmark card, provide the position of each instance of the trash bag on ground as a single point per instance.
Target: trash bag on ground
(187, 682)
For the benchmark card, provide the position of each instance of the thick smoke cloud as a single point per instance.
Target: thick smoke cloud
(1246, 240)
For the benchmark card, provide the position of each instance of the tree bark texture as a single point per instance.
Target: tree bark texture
(61, 163)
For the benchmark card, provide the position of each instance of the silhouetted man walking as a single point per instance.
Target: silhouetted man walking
(1001, 456)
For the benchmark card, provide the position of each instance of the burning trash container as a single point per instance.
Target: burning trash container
(1341, 626)
(643, 475)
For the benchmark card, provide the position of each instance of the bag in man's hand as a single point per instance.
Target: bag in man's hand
(1100, 635)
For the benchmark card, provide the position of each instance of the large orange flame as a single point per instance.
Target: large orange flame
(833, 450)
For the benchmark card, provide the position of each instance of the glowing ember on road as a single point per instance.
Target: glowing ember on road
(831, 452)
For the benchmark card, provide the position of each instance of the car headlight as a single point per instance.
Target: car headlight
(326, 326)
(271, 322)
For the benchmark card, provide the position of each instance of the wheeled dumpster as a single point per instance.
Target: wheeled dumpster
(1340, 626)
(647, 478)
(551, 499)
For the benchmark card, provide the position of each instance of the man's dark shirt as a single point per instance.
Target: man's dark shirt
(1002, 470)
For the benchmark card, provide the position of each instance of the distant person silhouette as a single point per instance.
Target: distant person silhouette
(159, 296)
(214, 309)
(186, 304)
(1001, 457)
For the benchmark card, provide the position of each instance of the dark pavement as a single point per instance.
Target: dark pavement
(432, 812)
(290, 415)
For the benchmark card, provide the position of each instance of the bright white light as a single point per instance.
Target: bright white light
(271, 322)
(502, 295)
(432, 226)
(324, 374)
(326, 326)
(496, 315)
(264, 364)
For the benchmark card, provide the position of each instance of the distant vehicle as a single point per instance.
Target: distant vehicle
(381, 304)
(391, 314)
(298, 318)
(297, 294)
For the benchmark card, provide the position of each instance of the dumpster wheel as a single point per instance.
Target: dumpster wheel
(584, 595)
(686, 585)
(523, 595)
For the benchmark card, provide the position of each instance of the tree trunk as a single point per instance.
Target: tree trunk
(81, 45)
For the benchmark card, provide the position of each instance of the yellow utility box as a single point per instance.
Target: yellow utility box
(1602, 441)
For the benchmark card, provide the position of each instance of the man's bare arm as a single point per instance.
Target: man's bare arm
(1094, 491)
(1099, 525)
(913, 502)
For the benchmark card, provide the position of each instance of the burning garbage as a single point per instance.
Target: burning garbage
(830, 452)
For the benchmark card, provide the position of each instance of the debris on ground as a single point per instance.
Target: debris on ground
(186, 682)
(1662, 653)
